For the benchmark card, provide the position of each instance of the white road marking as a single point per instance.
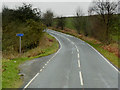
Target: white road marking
(78, 55)
(78, 63)
(104, 58)
(43, 67)
(31, 80)
(47, 61)
(68, 39)
(40, 70)
(76, 47)
(81, 79)
(77, 50)
(45, 64)
(73, 43)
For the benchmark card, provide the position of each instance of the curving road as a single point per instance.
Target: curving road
(75, 65)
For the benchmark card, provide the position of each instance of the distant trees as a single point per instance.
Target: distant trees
(61, 22)
(80, 22)
(77, 20)
(48, 18)
(105, 11)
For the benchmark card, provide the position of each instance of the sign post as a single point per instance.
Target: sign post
(20, 35)
(20, 45)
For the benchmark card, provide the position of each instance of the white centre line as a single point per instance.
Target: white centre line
(77, 50)
(81, 79)
(76, 47)
(73, 43)
(78, 63)
(72, 52)
(40, 70)
(78, 55)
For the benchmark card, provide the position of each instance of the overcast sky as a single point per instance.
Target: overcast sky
(60, 8)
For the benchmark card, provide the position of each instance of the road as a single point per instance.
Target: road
(75, 65)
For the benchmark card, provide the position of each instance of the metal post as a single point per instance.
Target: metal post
(20, 45)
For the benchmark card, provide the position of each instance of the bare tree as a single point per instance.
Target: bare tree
(61, 22)
(105, 10)
(119, 7)
(77, 21)
(48, 18)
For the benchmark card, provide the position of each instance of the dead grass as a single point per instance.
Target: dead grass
(113, 48)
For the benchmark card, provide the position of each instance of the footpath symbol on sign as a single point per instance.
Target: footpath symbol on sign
(20, 35)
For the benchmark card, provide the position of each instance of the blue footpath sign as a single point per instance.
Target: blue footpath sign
(20, 34)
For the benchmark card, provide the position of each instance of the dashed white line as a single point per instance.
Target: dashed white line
(31, 81)
(43, 67)
(45, 64)
(81, 79)
(78, 55)
(76, 47)
(77, 50)
(68, 39)
(79, 63)
(40, 70)
(73, 43)
(47, 61)
(80, 74)
(72, 52)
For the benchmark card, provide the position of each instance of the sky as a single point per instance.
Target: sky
(59, 7)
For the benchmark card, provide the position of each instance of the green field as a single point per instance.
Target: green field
(69, 23)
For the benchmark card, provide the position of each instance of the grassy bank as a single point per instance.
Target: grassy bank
(10, 68)
(111, 56)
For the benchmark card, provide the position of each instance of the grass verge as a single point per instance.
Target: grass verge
(110, 56)
(10, 68)
(115, 60)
